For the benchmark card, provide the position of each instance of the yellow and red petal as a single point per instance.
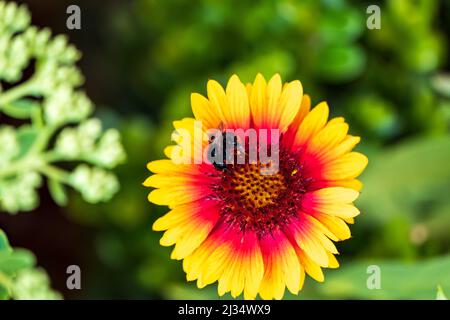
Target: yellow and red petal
(345, 167)
(326, 139)
(237, 115)
(281, 266)
(354, 184)
(311, 125)
(177, 186)
(335, 225)
(307, 236)
(274, 89)
(201, 210)
(334, 201)
(193, 233)
(311, 268)
(289, 104)
(230, 257)
(332, 261)
(232, 104)
(274, 106)
(187, 226)
(217, 97)
(305, 107)
(258, 101)
(204, 111)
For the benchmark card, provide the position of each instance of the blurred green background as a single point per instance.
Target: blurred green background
(142, 58)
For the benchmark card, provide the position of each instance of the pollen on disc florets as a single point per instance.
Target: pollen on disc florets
(261, 202)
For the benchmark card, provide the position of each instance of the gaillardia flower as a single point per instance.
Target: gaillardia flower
(254, 232)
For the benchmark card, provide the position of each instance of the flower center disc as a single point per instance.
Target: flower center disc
(261, 202)
(257, 190)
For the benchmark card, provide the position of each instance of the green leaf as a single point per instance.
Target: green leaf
(340, 26)
(440, 294)
(338, 63)
(4, 243)
(399, 179)
(21, 109)
(4, 293)
(11, 262)
(26, 136)
(58, 192)
(5, 284)
(399, 280)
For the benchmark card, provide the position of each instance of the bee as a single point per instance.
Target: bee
(226, 142)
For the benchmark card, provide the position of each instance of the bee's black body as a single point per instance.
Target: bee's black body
(226, 142)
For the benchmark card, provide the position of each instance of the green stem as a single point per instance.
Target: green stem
(53, 156)
(36, 118)
(36, 163)
(6, 282)
(27, 163)
(55, 173)
(42, 140)
(17, 92)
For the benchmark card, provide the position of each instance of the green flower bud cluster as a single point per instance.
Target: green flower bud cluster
(56, 49)
(52, 108)
(9, 146)
(52, 76)
(95, 184)
(87, 142)
(33, 284)
(20, 279)
(13, 52)
(13, 18)
(19, 193)
(64, 106)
